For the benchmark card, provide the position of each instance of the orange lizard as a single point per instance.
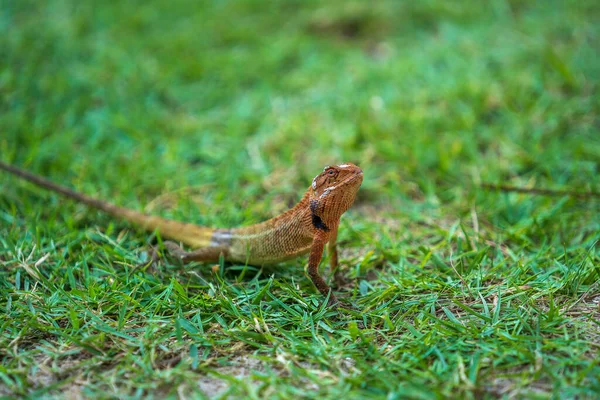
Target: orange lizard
(305, 228)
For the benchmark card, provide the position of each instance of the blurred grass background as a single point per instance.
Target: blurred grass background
(221, 113)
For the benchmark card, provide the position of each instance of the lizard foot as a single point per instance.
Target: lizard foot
(152, 260)
(333, 301)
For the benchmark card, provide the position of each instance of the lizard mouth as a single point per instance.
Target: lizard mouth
(358, 175)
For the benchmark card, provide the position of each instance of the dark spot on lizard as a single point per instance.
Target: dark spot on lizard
(318, 223)
(316, 220)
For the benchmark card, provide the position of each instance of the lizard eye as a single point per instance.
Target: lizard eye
(331, 172)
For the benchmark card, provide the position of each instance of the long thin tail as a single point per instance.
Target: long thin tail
(190, 234)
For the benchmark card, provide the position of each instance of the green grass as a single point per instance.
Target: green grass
(221, 113)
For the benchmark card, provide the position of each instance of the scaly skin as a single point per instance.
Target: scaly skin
(306, 227)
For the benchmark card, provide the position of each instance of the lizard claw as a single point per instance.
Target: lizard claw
(333, 302)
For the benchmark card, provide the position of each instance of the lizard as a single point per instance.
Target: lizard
(305, 228)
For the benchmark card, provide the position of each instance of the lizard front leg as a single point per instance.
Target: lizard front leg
(332, 250)
(333, 258)
(314, 259)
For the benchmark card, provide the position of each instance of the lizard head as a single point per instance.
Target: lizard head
(332, 193)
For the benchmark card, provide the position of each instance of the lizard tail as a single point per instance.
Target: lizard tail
(190, 234)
